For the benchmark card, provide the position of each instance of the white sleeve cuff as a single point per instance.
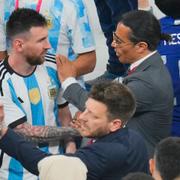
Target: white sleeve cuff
(68, 82)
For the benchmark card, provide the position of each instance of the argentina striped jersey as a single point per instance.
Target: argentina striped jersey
(29, 99)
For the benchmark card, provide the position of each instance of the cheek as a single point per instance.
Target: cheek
(121, 55)
(100, 131)
(121, 52)
(33, 50)
(89, 128)
(39, 48)
(98, 126)
(124, 52)
(125, 55)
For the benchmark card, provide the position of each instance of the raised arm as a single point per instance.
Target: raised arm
(85, 63)
(17, 147)
(73, 92)
(45, 134)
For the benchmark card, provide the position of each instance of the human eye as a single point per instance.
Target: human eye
(118, 42)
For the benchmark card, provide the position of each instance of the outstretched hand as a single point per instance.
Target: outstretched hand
(76, 123)
(3, 129)
(65, 68)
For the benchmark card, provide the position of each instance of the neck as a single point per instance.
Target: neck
(19, 64)
(140, 56)
(156, 175)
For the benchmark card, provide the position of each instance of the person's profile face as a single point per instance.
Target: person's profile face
(124, 48)
(94, 121)
(36, 45)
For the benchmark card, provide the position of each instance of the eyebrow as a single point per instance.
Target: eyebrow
(89, 111)
(42, 38)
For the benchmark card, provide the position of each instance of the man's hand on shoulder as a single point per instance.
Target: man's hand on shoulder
(3, 55)
(3, 128)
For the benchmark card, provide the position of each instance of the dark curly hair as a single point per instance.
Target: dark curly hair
(144, 27)
(22, 20)
(117, 97)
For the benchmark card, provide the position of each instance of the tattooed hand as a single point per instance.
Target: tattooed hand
(77, 122)
(3, 128)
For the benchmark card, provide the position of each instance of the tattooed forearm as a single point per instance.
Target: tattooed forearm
(46, 134)
(44, 140)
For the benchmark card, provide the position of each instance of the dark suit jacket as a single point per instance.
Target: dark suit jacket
(151, 85)
(111, 157)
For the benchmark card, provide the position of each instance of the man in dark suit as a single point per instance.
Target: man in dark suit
(109, 12)
(115, 151)
(135, 41)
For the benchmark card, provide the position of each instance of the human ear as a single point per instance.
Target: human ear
(151, 166)
(18, 44)
(115, 125)
(141, 47)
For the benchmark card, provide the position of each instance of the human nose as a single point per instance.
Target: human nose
(113, 44)
(47, 44)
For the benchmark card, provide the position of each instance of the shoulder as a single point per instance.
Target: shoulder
(5, 75)
(50, 61)
(69, 4)
(136, 145)
(5, 70)
(74, 7)
(74, 3)
(50, 58)
(165, 21)
(132, 135)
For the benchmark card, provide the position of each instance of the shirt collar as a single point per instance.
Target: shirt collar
(138, 62)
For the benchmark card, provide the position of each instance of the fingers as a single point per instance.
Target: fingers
(3, 129)
(60, 59)
(77, 114)
(1, 112)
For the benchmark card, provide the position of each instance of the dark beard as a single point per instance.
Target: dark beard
(33, 61)
(98, 133)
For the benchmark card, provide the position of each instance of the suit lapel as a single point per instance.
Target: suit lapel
(153, 60)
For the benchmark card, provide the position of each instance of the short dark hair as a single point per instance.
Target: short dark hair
(117, 97)
(144, 27)
(138, 176)
(169, 7)
(22, 20)
(167, 158)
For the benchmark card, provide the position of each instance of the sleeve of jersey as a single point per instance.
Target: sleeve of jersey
(13, 114)
(2, 28)
(77, 29)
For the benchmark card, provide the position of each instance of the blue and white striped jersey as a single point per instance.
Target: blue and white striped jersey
(33, 99)
(69, 30)
(69, 34)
